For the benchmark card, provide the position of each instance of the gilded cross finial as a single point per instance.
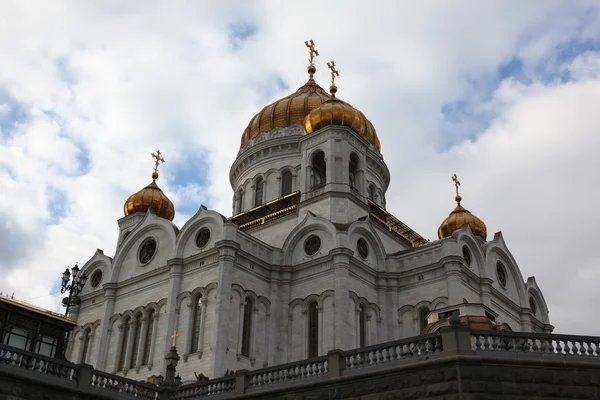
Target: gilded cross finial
(157, 160)
(174, 337)
(334, 73)
(312, 52)
(456, 184)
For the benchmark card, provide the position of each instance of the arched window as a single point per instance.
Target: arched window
(362, 325)
(240, 201)
(125, 333)
(319, 170)
(313, 329)
(424, 313)
(247, 326)
(353, 171)
(258, 192)
(87, 337)
(371, 193)
(197, 315)
(286, 183)
(148, 344)
(137, 333)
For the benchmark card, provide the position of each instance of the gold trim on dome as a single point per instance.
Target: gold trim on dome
(151, 197)
(460, 217)
(338, 112)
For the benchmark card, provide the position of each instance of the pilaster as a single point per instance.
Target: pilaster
(341, 266)
(175, 275)
(110, 294)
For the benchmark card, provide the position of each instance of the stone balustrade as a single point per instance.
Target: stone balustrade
(336, 366)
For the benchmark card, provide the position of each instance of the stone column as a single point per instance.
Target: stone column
(119, 347)
(320, 348)
(153, 340)
(189, 337)
(175, 275)
(289, 336)
(268, 336)
(486, 291)
(240, 327)
(357, 330)
(304, 332)
(341, 267)
(130, 343)
(200, 348)
(142, 344)
(227, 253)
(81, 339)
(294, 182)
(452, 271)
(368, 341)
(110, 294)
(253, 326)
(278, 190)
(393, 330)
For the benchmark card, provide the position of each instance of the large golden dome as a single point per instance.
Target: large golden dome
(337, 112)
(150, 197)
(287, 111)
(460, 217)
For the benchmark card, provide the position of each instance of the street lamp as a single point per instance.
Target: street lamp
(75, 286)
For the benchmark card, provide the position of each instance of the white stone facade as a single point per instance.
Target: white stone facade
(251, 298)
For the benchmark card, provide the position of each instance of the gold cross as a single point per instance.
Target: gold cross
(174, 337)
(157, 160)
(334, 72)
(456, 183)
(312, 51)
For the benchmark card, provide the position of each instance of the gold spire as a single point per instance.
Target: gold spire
(157, 161)
(334, 73)
(174, 337)
(456, 184)
(312, 52)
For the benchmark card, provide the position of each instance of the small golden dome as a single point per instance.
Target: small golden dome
(287, 111)
(460, 217)
(337, 112)
(150, 197)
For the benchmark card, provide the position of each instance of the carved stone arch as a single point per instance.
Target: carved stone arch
(310, 223)
(160, 304)
(295, 303)
(138, 310)
(252, 295)
(264, 301)
(115, 318)
(511, 267)
(209, 288)
(126, 314)
(406, 308)
(182, 296)
(354, 297)
(365, 229)
(315, 150)
(374, 308)
(466, 237)
(270, 172)
(96, 324)
(420, 306)
(153, 222)
(310, 298)
(198, 292)
(98, 261)
(439, 302)
(540, 303)
(239, 290)
(190, 228)
(322, 297)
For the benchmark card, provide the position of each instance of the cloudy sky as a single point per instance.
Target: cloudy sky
(504, 93)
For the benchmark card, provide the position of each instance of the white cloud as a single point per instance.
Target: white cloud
(112, 82)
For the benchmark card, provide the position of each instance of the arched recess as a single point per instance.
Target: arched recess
(186, 244)
(465, 237)
(367, 321)
(167, 243)
(542, 308)
(518, 294)
(293, 247)
(259, 190)
(99, 261)
(376, 255)
(316, 171)
(286, 181)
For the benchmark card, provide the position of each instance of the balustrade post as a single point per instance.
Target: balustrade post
(241, 381)
(456, 338)
(335, 363)
(84, 376)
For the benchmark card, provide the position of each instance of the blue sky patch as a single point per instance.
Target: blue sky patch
(191, 170)
(239, 33)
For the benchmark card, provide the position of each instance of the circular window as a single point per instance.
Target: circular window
(362, 247)
(202, 237)
(532, 305)
(147, 251)
(312, 245)
(466, 255)
(501, 272)
(96, 278)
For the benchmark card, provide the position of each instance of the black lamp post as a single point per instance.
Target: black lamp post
(75, 286)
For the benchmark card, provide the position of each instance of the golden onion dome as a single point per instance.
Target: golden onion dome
(460, 217)
(287, 111)
(150, 197)
(337, 112)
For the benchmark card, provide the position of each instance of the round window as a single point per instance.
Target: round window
(96, 278)
(147, 251)
(532, 305)
(362, 247)
(312, 245)
(202, 237)
(466, 255)
(501, 272)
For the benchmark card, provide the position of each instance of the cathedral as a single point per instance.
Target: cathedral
(311, 259)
